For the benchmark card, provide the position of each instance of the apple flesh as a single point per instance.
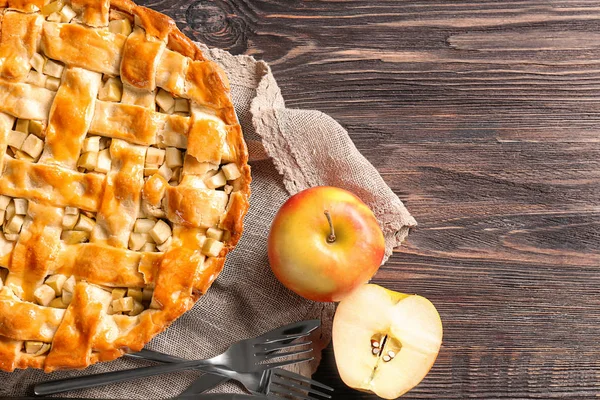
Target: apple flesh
(385, 342)
(322, 261)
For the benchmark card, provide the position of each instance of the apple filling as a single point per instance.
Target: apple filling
(167, 163)
(13, 212)
(167, 104)
(25, 140)
(95, 155)
(58, 11)
(120, 23)
(212, 247)
(151, 235)
(56, 291)
(35, 348)
(130, 301)
(45, 73)
(77, 226)
(111, 89)
(224, 177)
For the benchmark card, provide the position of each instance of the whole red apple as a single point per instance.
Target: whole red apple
(325, 242)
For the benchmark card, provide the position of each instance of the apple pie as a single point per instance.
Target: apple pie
(124, 179)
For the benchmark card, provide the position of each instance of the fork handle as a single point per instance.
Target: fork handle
(152, 355)
(83, 382)
(200, 385)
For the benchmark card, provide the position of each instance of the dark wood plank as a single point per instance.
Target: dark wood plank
(484, 117)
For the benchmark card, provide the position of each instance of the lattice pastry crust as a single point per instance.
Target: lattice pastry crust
(124, 179)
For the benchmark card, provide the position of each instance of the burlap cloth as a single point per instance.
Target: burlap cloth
(303, 149)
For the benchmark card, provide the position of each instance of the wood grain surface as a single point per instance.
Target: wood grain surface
(484, 117)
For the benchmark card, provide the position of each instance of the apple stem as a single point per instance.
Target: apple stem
(331, 238)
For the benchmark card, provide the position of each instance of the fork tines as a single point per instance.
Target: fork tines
(271, 347)
(270, 350)
(296, 386)
(285, 338)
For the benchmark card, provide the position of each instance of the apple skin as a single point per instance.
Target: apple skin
(302, 258)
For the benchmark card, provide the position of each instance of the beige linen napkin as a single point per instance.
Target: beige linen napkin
(306, 148)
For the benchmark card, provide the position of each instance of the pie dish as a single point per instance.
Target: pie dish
(124, 179)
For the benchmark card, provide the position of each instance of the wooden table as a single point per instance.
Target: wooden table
(484, 117)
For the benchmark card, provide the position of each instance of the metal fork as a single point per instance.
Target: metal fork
(264, 382)
(276, 381)
(240, 361)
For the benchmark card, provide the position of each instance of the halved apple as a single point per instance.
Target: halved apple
(385, 342)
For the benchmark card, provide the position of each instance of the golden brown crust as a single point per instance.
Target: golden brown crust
(234, 219)
(42, 186)
(134, 124)
(9, 355)
(140, 60)
(36, 252)
(209, 86)
(20, 319)
(65, 132)
(192, 207)
(36, 107)
(93, 12)
(82, 47)
(19, 41)
(119, 267)
(148, 59)
(177, 41)
(26, 5)
(206, 147)
(71, 346)
(121, 200)
(213, 268)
